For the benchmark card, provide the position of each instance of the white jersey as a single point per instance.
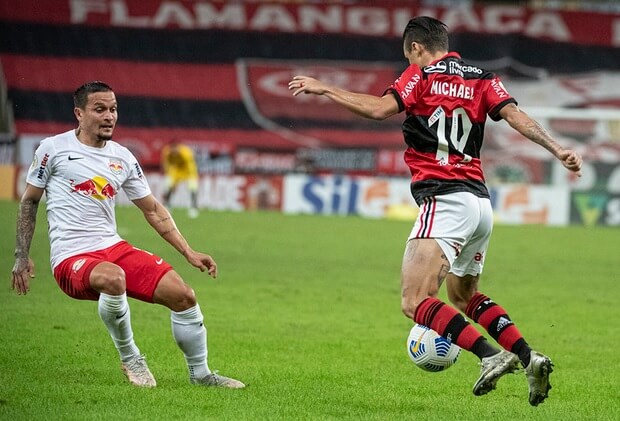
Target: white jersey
(81, 183)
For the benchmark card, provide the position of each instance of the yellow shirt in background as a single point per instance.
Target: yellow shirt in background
(178, 162)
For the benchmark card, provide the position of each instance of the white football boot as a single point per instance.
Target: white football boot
(492, 368)
(215, 379)
(138, 372)
(537, 372)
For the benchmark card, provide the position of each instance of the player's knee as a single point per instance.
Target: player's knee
(414, 292)
(109, 279)
(408, 310)
(409, 305)
(184, 299)
(116, 281)
(174, 293)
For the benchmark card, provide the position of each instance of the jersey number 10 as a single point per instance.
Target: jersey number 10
(461, 120)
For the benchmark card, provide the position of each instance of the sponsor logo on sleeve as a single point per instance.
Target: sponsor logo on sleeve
(409, 86)
(43, 165)
(138, 170)
(499, 88)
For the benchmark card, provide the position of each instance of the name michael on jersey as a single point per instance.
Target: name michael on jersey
(457, 90)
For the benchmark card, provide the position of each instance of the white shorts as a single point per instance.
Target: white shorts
(461, 223)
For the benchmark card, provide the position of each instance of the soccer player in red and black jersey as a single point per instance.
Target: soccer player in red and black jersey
(446, 101)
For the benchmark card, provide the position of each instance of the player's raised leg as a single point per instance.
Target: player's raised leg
(189, 331)
(424, 268)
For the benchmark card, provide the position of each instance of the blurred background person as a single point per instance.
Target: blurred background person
(179, 165)
(263, 195)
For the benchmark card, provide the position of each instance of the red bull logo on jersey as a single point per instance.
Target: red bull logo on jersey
(115, 166)
(98, 188)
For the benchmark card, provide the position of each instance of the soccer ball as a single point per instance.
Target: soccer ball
(430, 351)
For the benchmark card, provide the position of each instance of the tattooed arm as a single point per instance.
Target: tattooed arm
(23, 269)
(161, 220)
(531, 129)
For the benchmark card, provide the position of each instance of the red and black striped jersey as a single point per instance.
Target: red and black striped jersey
(447, 103)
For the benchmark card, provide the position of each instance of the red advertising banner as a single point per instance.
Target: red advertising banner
(385, 20)
(138, 78)
(263, 85)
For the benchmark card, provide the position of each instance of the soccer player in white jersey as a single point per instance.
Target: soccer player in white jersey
(81, 172)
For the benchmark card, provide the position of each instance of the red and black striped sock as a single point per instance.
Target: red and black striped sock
(449, 323)
(496, 321)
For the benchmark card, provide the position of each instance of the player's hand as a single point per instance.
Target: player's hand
(202, 261)
(571, 161)
(23, 270)
(306, 85)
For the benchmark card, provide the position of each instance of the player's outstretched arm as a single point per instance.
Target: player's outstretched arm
(530, 128)
(23, 269)
(161, 220)
(369, 106)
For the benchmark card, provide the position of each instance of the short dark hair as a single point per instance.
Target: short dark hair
(430, 32)
(80, 96)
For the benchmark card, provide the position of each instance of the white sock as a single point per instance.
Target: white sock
(191, 336)
(114, 311)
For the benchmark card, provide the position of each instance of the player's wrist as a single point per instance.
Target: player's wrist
(20, 254)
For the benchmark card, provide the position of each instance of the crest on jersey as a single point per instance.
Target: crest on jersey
(439, 67)
(115, 166)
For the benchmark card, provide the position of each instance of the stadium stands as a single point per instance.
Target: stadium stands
(213, 74)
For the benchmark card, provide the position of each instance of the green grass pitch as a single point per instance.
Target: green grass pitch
(306, 311)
